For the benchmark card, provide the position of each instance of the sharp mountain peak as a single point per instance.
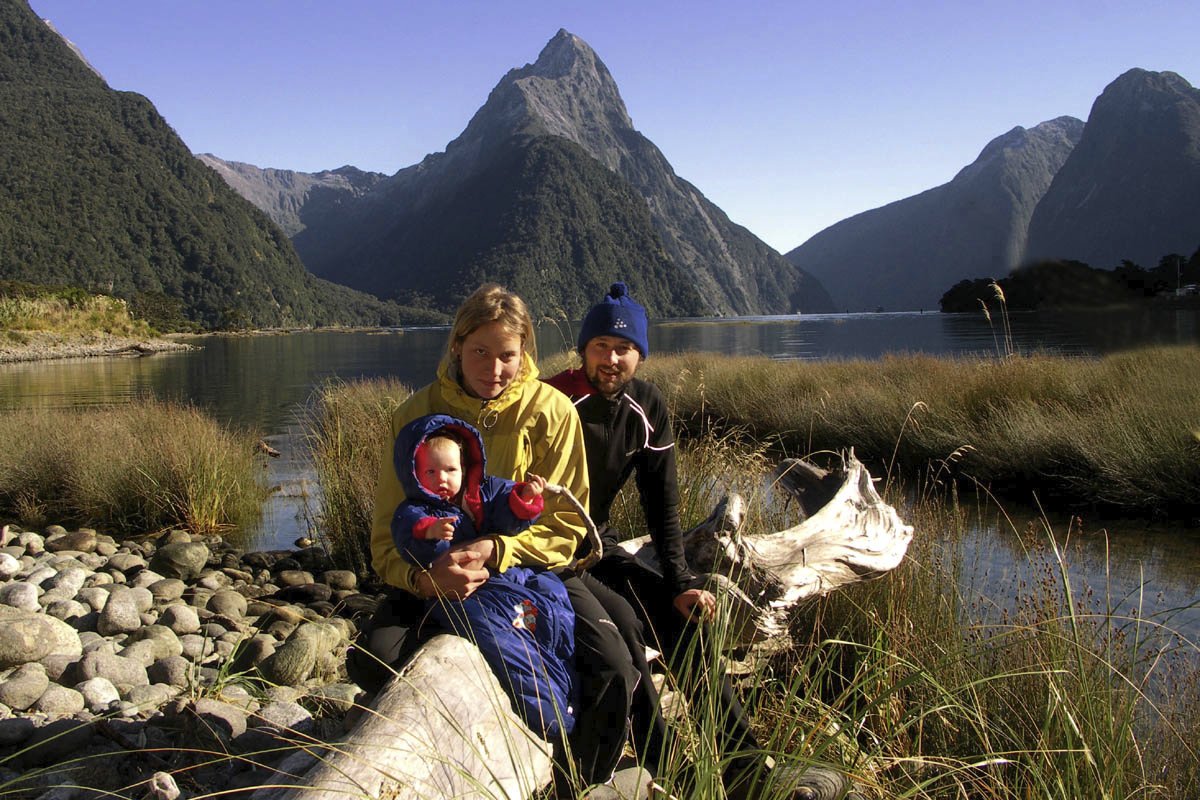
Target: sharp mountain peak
(566, 92)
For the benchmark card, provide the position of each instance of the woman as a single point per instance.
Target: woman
(489, 377)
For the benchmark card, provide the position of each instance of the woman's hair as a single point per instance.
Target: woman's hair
(491, 303)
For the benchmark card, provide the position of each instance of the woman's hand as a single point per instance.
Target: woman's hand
(697, 605)
(456, 573)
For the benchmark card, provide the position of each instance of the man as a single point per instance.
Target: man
(627, 431)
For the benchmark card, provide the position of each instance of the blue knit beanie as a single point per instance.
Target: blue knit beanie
(618, 315)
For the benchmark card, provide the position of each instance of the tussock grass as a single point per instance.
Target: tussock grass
(348, 425)
(136, 468)
(1119, 431)
(74, 316)
(1041, 689)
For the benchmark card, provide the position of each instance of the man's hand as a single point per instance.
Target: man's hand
(697, 605)
(455, 574)
(484, 549)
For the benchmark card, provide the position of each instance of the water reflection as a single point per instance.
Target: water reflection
(1137, 570)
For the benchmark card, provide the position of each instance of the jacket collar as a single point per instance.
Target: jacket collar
(573, 383)
(456, 396)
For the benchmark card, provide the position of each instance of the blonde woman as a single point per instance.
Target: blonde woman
(489, 377)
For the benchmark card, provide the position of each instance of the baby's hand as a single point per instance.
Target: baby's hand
(533, 486)
(442, 529)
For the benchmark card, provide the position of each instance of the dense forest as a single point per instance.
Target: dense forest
(1073, 284)
(98, 192)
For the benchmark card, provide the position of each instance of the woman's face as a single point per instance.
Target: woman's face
(490, 357)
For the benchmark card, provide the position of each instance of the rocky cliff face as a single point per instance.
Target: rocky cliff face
(288, 197)
(566, 103)
(904, 255)
(1131, 187)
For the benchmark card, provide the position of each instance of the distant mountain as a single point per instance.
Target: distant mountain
(97, 191)
(291, 198)
(1130, 189)
(905, 255)
(551, 191)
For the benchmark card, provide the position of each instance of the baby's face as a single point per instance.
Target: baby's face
(439, 468)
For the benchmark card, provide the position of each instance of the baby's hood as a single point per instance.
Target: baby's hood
(404, 454)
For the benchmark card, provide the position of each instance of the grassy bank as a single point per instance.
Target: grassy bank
(1121, 431)
(70, 314)
(131, 469)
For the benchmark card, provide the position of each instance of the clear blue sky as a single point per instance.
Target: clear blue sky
(788, 115)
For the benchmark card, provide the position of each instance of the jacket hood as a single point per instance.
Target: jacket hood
(404, 457)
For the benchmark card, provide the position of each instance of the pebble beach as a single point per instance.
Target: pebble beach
(46, 346)
(167, 665)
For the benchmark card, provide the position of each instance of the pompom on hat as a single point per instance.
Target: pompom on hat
(618, 315)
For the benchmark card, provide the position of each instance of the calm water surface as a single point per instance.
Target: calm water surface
(262, 383)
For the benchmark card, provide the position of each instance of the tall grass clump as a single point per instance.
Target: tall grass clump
(70, 314)
(1118, 431)
(1043, 688)
(349, 426)
(141, 467)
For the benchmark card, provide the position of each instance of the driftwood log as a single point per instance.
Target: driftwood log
(443, 726)
(847, 534)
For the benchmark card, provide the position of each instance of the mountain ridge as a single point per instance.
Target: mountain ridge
(99, 192)
(566, 94)
(1125, 189)
(904, 255)
(1131, 187)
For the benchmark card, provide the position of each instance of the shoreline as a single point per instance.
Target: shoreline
(51, 346)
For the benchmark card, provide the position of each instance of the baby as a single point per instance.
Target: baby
(521, 619)
(446, 512)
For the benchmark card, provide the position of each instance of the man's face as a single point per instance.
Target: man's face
(609, 363)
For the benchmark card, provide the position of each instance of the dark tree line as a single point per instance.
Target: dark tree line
(1073, 284)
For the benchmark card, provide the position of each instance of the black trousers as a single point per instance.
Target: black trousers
(605, 669)
(649, 617)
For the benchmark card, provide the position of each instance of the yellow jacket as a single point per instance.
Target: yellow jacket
(530, 427)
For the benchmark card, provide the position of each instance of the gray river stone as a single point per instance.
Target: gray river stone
(180, 618)
(20, 595)
(227, 603)
(83, 540)
(173, 671)
(166, 590)
(183, 560)
(22, 688)
(60, 701)
(126, 562)
(26, 637)
(163, 640)
(120, 614)
(118, 669)
(99, 694)
(94, 596)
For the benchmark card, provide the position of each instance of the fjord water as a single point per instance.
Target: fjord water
(262, 383)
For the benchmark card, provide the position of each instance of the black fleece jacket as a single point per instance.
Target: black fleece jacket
(631, 435)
